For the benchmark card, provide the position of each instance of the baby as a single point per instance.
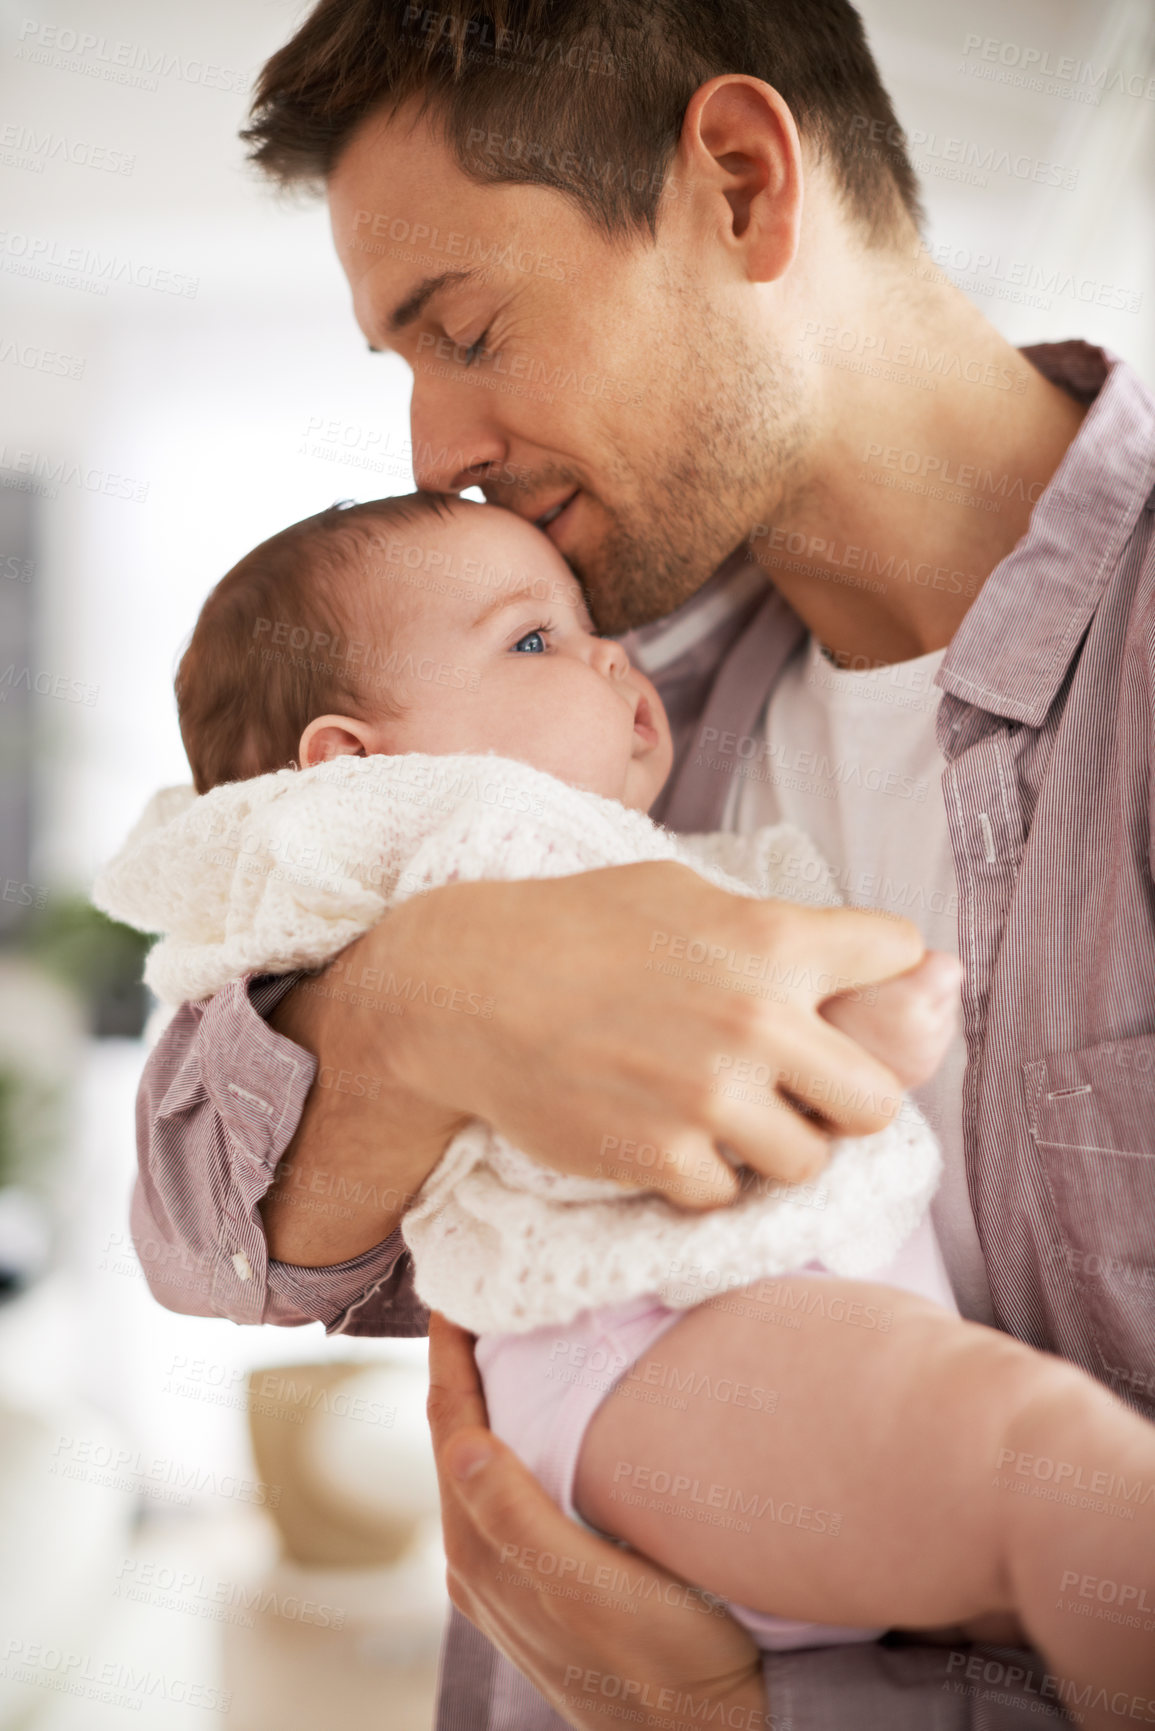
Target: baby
(829, 1455)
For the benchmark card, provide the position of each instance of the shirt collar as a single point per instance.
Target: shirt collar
(657, 648)
(1012, 651)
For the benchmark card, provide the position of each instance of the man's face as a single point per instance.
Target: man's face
(622, 380)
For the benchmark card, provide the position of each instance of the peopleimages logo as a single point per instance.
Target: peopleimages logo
(24, 147)
(957, 158)
(974, 266)
(120, 62)
(83, 267)
(35, 472)
(36, 359)
(1034, 68)
(115, 1682)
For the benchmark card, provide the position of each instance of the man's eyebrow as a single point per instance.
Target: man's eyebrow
(414, 305)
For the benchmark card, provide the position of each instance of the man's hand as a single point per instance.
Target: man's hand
(627, 1023)
(641, 1016)
(632, 1634)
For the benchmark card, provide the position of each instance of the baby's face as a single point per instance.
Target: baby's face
(489, 647)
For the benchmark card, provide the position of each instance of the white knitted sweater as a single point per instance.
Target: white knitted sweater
(281, 872)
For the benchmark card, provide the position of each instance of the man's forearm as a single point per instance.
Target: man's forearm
(364, 1145)
(535, 1005)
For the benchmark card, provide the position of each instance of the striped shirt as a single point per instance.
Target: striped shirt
(1047, 725)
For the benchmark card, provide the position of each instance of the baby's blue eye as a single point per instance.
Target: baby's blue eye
(533, 643)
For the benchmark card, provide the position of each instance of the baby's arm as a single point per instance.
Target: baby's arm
(887, 1487)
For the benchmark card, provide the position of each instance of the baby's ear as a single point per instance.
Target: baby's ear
(333, 736)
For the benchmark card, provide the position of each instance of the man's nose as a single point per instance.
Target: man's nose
(452, 448)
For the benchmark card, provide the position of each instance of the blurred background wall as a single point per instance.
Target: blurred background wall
(179, 377)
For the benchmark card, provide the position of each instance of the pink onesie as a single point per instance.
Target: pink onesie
(543, 1388)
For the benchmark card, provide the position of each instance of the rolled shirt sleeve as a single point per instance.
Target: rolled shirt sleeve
(219, 1101)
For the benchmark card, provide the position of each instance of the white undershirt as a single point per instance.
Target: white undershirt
(852, 759)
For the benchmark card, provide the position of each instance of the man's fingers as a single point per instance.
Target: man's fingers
(777, 1118)
(456, 1402)
(782, 1146)
(461, 1442)
(511, 1583)
(515, 1518)
(814, 1064)
(688, 1171)
(851, 1090)
(497, 1517)
(485, 1488)
(835, 949)
(509, 1508)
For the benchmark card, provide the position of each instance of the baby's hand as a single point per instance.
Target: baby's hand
(906, 1022)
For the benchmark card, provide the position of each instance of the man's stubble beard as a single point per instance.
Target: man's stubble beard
(736, 421)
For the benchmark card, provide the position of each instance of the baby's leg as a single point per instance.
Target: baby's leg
(879, 1487)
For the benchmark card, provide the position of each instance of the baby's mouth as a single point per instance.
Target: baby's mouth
(644, 722)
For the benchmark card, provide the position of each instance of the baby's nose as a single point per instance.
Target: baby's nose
(610, 658)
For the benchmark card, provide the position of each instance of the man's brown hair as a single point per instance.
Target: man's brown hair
(585, 96)
(276, 642)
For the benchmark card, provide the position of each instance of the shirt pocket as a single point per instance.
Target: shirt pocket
(1092, 1114)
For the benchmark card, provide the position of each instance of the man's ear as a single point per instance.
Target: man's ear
(739, 143)
(334, 736)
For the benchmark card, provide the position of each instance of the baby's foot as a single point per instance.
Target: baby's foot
(907, 1022)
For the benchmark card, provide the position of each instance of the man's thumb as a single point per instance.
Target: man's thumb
(500, 1497)
(468, 1454)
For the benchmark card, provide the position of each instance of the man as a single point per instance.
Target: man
(625, 252)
